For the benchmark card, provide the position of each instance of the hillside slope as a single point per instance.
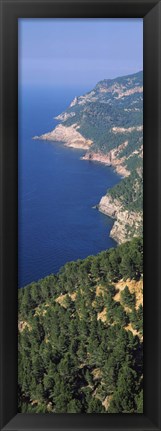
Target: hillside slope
(80, 336)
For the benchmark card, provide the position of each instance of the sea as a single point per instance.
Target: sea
(58, 192)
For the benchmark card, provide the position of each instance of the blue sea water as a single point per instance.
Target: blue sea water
(57, 191)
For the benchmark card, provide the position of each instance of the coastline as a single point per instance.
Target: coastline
(108, 160)
(124, 220)
(72, 138)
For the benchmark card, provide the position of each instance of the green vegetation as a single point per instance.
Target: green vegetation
(98, 111)
(76, 354)
(130, 192)
(111, 115)
(128, 299)
(80, 337)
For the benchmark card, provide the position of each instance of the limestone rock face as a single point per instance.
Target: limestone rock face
(69, 135)
(112, 158)
(127, 223)
(109, 206)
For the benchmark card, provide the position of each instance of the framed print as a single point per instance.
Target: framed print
(80, 215)
(80, 296)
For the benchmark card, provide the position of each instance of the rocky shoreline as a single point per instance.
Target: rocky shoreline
(125, 221)
(126, 224)
(109, 160)
(70, 136)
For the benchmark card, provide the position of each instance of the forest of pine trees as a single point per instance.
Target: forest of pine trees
(80, 349)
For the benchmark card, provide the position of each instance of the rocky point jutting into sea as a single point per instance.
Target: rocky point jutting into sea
(107, 122)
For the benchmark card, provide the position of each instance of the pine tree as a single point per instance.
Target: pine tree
(139, 402)
(95, 406)
(74, 406)
(123, 400)
(127, 298)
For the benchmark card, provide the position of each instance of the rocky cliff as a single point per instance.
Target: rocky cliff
(110, 159)
(69, 135)
(127, 223)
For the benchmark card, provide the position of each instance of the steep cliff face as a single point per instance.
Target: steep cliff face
(111, 159)
(127, 223)
(124, 203)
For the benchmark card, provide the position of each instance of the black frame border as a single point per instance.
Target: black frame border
(150, 11)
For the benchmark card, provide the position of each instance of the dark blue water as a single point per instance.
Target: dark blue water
(57, 191)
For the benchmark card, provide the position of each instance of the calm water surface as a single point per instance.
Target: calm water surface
(57, 191)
